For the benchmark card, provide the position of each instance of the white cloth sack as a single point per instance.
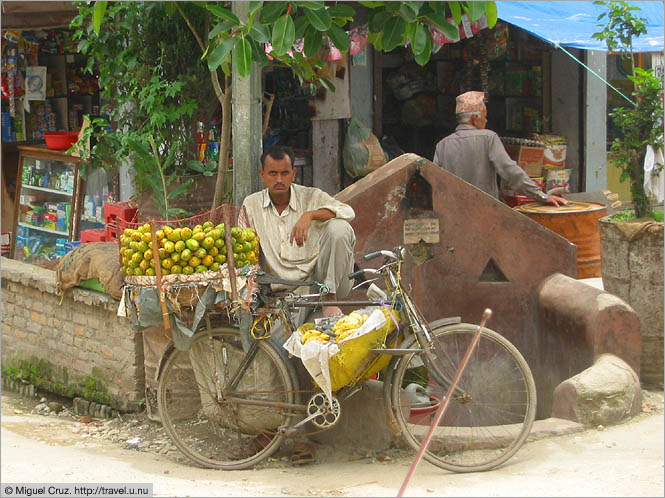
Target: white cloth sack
(654, 178)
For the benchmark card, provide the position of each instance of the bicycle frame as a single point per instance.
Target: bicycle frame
(397, 295)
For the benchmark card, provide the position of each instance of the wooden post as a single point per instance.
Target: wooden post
(230, 260)
(158, 276)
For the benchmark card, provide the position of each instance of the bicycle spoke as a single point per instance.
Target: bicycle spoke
(488, 416)
(197, 407)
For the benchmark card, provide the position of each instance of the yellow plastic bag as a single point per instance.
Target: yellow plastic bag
(354, 362)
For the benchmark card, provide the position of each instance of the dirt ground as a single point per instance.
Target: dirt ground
(43, 441)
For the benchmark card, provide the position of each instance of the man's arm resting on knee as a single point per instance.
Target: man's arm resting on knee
(301, 228)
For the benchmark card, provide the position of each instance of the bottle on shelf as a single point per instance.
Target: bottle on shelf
(201, 143)
(213, 142)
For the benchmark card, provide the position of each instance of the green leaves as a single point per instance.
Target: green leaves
(420, 38)
(475, 10)
(208, 168)
(313, 41)
(341, 10)
(272, 10)
(339, 38)
(98, 15)
(319, 19)
(394, 33)
(183, 188)
(242, 57)
(254, 6)
(221, 52)
(422, 57)
(259, 32)
(311, 5)
(283, 35)
(223, 13)
(456, 11)
(220, 28)
(491, 14)
(451, 31)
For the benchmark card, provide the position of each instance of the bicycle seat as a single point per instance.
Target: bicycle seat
(268, 279)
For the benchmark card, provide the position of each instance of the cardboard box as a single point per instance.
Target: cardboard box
(531, 160)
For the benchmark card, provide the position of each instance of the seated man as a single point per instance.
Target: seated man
(305, 233)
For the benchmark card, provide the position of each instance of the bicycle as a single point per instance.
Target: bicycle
(215, 398)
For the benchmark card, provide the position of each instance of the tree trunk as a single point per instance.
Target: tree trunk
(641, 202)
(224, 145)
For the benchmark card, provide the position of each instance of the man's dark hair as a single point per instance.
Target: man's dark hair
(278, 152)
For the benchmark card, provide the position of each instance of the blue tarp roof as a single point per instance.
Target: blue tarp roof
(572, 23)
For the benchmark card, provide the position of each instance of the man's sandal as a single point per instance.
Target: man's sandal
(302, 454)
(259, 443)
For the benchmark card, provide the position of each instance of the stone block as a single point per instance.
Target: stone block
(33, 326)
(95, 322)
(80, 318)
(19, 322)
(108, 353)
(604, 394)
(8, 295)
(363, 424)
(79, 330)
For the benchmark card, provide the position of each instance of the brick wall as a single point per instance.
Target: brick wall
(75, 340)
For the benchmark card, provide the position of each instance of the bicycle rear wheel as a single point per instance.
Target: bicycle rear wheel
(489, 415)
(197, 407)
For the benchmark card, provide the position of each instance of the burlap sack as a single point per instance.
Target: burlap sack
(92, 260)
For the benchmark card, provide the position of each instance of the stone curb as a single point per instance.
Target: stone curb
(93, 409)
(80, 406)
(551, 427)
(21, 387)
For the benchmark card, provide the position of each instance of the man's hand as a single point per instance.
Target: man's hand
(556, 200)
(300, 229)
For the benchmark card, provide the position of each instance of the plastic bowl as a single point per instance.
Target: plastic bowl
(60, 140)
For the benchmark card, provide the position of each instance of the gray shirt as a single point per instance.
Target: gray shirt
(477, 156)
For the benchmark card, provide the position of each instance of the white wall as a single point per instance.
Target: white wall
(595, 125)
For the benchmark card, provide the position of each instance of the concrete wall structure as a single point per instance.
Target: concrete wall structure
(487, 255)
(74, 339)
(595, 123)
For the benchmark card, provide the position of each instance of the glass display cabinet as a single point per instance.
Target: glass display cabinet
(47, 205)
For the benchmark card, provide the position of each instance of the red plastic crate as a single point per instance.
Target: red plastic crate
(112, 233)
(126, 210)
(93, 235)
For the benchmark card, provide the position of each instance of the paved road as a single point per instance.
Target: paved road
(623, 460)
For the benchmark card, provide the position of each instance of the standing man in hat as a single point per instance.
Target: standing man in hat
(477, 155)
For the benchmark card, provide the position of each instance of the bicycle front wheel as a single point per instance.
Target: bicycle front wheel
(490, 413)
(201, 393)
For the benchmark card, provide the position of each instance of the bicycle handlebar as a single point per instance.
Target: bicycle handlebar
(388, 254)
(395, 255)
(356, 274)
(373, 255)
